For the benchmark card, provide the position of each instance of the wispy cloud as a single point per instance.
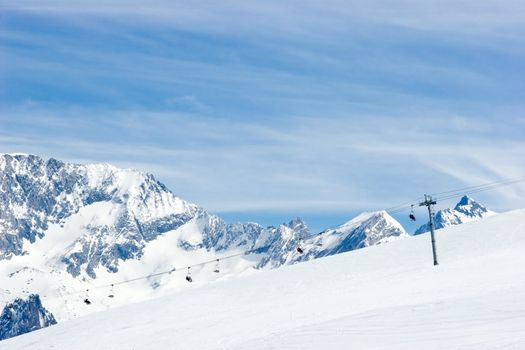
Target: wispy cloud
(466, 15)
(301, 164)
(272, 106)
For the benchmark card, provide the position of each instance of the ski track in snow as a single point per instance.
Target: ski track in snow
(383, 297)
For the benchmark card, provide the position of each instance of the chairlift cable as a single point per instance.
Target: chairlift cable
(460, 190)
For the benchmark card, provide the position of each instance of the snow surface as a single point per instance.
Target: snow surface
(383, 297)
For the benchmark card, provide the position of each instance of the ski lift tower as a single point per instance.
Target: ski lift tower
(429, 202)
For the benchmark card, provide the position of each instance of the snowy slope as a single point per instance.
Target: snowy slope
(466, 210)
(384, 297)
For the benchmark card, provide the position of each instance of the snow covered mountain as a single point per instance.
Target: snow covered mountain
(388, 296)
(67, 229)
(364, 230)
(118, 211)
(466, 210)
(103, 215)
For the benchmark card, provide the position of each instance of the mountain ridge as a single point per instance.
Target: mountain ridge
(68, 227)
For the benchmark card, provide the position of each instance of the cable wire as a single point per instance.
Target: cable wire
(509, 180)
(459, 192)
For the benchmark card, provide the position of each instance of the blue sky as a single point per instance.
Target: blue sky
(269, 110)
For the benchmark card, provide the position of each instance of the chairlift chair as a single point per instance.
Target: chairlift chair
(111, 292)
(412, 216)
(216, 270)
(86, 299)
(188, 276)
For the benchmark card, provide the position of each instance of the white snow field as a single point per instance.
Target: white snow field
(383, 297)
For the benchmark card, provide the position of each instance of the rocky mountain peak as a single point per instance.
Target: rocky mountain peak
(466, 210)
(469, 206)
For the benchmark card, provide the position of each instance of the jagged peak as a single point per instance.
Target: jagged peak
(467, 209)
(297, 222)
(368, 219)
(367, 216)
(6, 158)
(20, 157)
(465, 200)
(16, 154)
(97, 174)
(469, 206)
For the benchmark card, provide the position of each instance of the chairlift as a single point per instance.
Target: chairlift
(111, 292)
(216, 270)
(86, 299)
(188, 276)
(412, 216)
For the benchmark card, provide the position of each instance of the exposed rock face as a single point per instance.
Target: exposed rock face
(23, 316)
(278, 245)
(133, 208)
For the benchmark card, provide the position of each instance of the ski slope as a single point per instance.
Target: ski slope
(383, 297)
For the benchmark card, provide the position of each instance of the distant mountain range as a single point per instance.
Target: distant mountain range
(105, 216)
(466, 210)
(66, 229)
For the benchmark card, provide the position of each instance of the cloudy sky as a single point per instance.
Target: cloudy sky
(266, 110)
